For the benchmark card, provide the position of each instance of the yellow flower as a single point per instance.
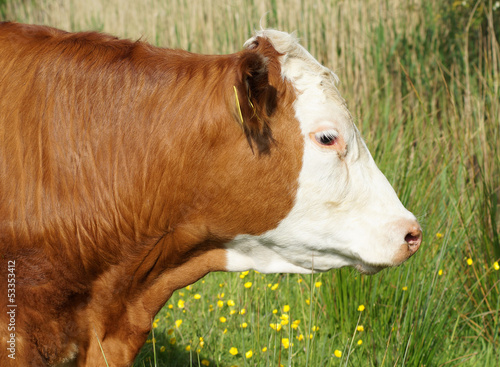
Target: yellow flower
(439, 235)
(162, 349)
(496, 266)
(360, 342)
(197, 296)
(318, 284)
(222, 319)
(405, 288)
(285, 342)
(225, 331)
(276, 327)
(180, 304)
(232, 312)
(155, 325)
(230, 303)
(188, 348)
(170, 306)
(244, 274)
(274, 287)
(360, 328)
(284, 322)
(361, 308)
(243, 311)
(189, 287)
(244, 325)
(315, 328)
(248, 284)
(249, 354)
(220, 295)
(286, 308)
(299, 280)
(205, 362)
(221, 285)
(337, 353)
(308, 301)
(469, 261)
(173, 341)
(295, 324)
(284, 317)
(440, 272)
(275, 311)
(210, 308)
(300, 337)
(264, 349)
(233, 351)
(220, 303)
(178, 323)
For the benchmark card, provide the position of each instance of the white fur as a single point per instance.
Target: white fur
(346, 213)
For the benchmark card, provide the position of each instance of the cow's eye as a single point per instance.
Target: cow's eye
(326, 137)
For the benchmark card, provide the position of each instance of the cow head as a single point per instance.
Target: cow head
(345, 212)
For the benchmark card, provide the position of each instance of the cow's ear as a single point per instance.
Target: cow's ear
(255, 99)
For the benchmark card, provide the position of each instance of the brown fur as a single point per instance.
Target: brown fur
(123, 169)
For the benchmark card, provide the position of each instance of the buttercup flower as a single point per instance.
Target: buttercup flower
(337, 353)
(249, 354)
(285, 342)
(233, 351)
(361, 308)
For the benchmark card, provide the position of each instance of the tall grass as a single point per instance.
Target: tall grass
(422, 79)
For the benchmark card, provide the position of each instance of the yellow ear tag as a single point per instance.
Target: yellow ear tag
(238, 104)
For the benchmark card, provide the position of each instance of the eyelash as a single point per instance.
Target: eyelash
(326, 137)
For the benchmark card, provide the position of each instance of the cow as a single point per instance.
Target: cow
(128, 171)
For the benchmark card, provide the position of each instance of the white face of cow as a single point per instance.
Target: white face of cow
(346, 213)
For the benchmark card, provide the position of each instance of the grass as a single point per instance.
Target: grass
(422, 79)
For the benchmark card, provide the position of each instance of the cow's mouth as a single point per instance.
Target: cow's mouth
(368, 269)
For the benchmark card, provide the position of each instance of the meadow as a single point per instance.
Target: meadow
(422, 80)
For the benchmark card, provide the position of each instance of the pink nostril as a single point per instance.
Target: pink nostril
(414, 239)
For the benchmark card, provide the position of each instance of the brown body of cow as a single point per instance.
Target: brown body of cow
(123, 168)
